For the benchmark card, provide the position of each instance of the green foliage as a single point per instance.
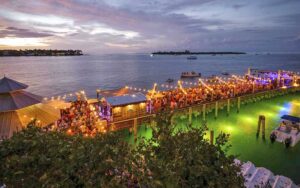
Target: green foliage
(183, 158)
(33, 158)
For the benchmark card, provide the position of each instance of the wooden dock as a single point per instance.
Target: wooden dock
(232, 105)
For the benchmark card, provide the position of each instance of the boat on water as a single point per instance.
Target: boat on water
(190, 75)
(225, 73)
(170, 80)
(262, 177)
(288, 131)
(192, 57)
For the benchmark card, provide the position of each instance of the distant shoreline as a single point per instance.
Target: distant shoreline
(196, 53)
(39, 52)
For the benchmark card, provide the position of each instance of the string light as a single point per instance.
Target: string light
(205, 85)
(182, 83)
(65, 96)
(180, 87)
(222, 81)
(237, 78)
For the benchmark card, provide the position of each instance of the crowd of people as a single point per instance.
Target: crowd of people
(80, 117)
(83, 118)
(217, 90)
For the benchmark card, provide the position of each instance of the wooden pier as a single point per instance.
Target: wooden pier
(203, 108)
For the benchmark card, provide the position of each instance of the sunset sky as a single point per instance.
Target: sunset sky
(129, 26)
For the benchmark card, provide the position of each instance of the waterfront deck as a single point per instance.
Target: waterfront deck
(128, 108)
(203, 108)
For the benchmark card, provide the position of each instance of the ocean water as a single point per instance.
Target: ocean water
(52, 76)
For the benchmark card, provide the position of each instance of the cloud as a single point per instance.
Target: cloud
(21, 33)
(143, 25)
(22, 42)
(119, 45)
(238, 6)
(35, 19)
(288, 20)
(102, 29)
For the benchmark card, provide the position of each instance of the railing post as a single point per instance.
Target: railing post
(203, 111)
(234, 90)
(249, 71)
(278, 78)
(110, 127)
(135, 128)
(153, 123)
(294, 80)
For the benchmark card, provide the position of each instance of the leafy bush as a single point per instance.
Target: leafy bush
(33, 158)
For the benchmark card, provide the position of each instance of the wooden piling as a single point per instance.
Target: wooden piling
(263, 124)
(203, 111)
(211, 137)
(190, 114)
(238, 104)
(216, 109)
(258, 127)
(228, 106)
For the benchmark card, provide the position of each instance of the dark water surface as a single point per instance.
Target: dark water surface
(50, 76)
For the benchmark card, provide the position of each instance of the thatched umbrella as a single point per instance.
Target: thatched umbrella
(15, 100)
(19, 107)
(8, 85)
